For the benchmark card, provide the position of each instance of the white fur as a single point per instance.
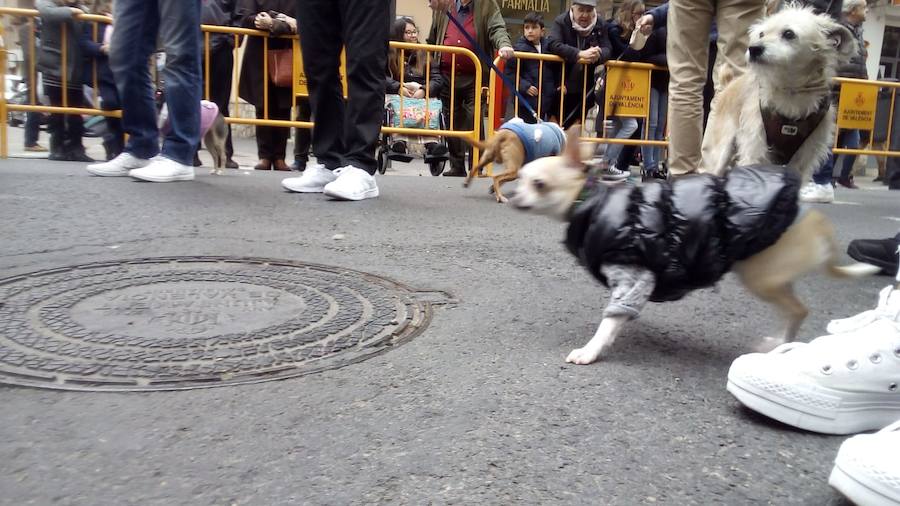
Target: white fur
(791, 76)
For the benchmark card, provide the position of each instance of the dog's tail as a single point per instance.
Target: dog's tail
(857, 270)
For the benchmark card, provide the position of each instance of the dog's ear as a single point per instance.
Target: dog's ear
(572, 154)
(840, 38)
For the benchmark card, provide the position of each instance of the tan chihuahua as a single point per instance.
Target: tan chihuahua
(661, 240)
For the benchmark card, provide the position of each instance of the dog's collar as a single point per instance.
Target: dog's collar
(784, 135)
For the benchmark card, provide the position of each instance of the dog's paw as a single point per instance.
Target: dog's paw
(583, 356)
(768, 344)
(502, 200)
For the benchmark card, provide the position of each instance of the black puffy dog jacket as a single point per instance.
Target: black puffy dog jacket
(688, 232)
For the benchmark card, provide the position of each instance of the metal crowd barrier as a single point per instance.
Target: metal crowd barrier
(627, 91)
(237, 33)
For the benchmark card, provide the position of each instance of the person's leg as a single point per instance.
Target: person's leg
(824, 174)
(302, 136)
(280, 136)
(734, 18)
(73, 145)
(114, 138)
(265, 143)
(56, 124)
(32, 129)
(365, 30)
(687, 49)
(134, 39)
(624, 128)
(649, 154)
(463, 102)
(220, 71)
(179, 33)
(319, 24)
(849, 139)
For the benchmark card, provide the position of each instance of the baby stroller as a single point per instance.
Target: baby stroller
(393, 147)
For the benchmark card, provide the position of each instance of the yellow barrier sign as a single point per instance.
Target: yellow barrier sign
(300, 82)
(856, 108)
(627, 92)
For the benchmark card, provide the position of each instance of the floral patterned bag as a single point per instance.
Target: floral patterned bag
(413, 112)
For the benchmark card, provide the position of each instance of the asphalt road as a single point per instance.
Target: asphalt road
(479, 409)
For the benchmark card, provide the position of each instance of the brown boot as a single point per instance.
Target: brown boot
(280, 165)
(264, 164)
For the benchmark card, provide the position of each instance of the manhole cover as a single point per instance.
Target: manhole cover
(192, 322)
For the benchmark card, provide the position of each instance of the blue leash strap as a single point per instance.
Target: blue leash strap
(483, 56)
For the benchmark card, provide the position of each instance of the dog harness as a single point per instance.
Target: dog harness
(538, 139)
(784, 135)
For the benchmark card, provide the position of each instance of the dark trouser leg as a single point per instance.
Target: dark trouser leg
(462, 113)
(56, 123)
(134, 39)
(221, 66)
(114, 140)
(365, 26)
(265, 140)
(179, 32)
(849, 139)
(892, 168)
(302, 136)
(319, 24)
(32, 128)
(279, 135)
(74, 123)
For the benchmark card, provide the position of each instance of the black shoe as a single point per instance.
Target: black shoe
(78, 155)
(197, 162)
(57, 156)
(231, 164)
(878, 252)
(455, 173)
(435, 151)
(399, 147)
(299, 165)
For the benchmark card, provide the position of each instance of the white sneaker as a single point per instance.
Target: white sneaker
(352, 183)
(835, 384)
(118, 166)
(817, 193)
(888, 309)
(163, 170)
(611, 173)
(313, 180)
(867, 470)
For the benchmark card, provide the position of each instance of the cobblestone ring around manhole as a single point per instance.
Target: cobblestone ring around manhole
(192, 322)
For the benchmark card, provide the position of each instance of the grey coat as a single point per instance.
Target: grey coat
(55, 19)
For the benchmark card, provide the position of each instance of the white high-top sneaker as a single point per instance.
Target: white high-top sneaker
(118, 166)
(867, 468)
(888, 308)
(817, 193)
(835, 384)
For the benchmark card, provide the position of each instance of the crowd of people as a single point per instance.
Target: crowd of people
(857, 363)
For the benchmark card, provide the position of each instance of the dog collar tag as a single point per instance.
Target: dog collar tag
(789, 130)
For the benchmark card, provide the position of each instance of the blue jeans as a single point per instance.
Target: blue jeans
(659, 101)
(622, 129)
(177, 22)
(846, 139)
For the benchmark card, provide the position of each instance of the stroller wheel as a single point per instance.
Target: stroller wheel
(382, 159)
(437, 167)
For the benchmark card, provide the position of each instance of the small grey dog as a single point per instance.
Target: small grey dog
(213, 130)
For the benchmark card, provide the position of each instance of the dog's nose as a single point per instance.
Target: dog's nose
(755, 52)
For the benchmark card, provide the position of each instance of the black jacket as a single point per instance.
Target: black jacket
(251, 86)
(689, 232)
(564, 42)
(530, 74)
(221, 13)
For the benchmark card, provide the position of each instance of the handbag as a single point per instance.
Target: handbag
(281, 67)
(413, 112)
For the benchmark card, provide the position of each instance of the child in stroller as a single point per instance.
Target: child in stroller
(408, 86)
